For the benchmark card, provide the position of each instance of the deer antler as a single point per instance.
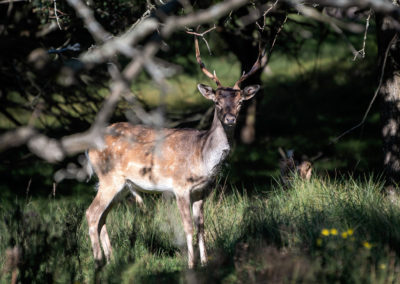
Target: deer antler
(202, 66)
(255, 68)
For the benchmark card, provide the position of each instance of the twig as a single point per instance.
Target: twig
(202, 36)
(27, 190)
(54, 150)
(54, 190)
(144, 16)
(55, 13)
(385, 7)
(316, 15)
(282, 153)
(217, 11)
(208, 47)
(11, 1)
(375, 94)
(362, 51)
(16, 138)
(341, 33)
(95, 29)
(265, 16)
(275, 38)
(189, 31)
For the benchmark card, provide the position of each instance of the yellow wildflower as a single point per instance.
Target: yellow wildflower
(345, 235)
(350, 232)
(325, 232)
(319, 242)
(334, 232)
(382, 266)
(367, 245)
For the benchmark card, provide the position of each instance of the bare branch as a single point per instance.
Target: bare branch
(16, 138)
(375, 94)
(275, 38)
(215, 12)
(130, 38)
(362, 50)
(316, 15)
(189, 31)
(95, 29)
(54, 150)
(202, 36)
(341, 33)
(385, 7)
(265, 15)
(55, 13)
(11, 1)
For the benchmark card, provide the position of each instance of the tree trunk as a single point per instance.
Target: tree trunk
(389, 51)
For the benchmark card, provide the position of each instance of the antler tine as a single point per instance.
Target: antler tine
(202, 66)
(255, 68)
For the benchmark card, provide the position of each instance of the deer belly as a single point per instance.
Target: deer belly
(145, 185)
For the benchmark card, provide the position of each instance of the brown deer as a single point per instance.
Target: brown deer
(289, 168)
(182, 161)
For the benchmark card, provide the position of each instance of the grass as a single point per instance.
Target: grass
(321, 231)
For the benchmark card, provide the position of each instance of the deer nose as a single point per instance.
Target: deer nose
(229, 119)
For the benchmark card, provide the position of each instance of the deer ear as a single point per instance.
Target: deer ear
(206, 91)
(250, 91)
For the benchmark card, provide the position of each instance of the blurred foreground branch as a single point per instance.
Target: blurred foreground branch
(139, 44)
(54, 150)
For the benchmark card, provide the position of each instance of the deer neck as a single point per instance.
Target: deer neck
(216, 146)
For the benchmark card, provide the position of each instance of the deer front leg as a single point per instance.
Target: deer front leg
(93, 215)
(105, 243)
(184, 209)
(199, 221)
(96, 216)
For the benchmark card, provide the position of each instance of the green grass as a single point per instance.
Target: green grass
(321, 231)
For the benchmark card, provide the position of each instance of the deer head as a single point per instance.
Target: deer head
(228, 100)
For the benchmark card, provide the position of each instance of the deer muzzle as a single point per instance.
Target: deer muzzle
(229, 119)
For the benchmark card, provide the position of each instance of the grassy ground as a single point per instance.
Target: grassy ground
(323, 231)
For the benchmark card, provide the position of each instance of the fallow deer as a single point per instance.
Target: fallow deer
(182, 161)
(289, 168)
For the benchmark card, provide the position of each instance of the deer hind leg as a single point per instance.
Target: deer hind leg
(96, 216)
(184, 209)
(198, 217)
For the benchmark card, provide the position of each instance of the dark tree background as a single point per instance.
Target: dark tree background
(48, 88)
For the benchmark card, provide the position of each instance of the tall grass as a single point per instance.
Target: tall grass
(321, 231)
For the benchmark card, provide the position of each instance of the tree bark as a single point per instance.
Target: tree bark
(389, 52)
